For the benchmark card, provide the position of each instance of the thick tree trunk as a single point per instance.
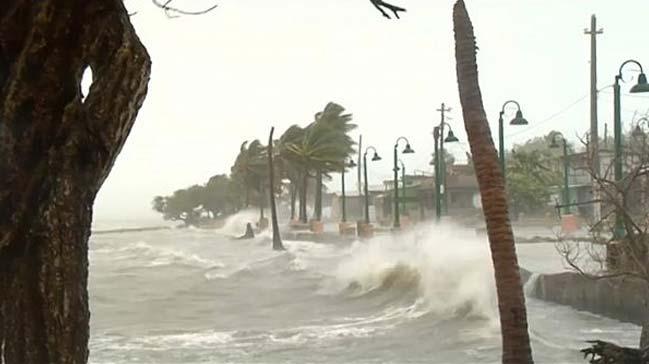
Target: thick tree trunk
(511, 301)
(277, 239)
(55, 152)
(317, 213)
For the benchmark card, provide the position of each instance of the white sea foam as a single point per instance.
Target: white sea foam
(235, 225)
(156, 256)
(447, 265)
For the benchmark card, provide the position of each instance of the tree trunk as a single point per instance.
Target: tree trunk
(261, 200)
(511, 301)
(303, 194)
(317, 213)
(277, 240)
(644, 334)
(56, 151)
(293, 198)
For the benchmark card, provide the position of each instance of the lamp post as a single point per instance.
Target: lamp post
(641, 86)
(367, 195)
(566, 188)
(517, 120)
(438, 135)
(403, 186)
(406, 150)
(350, 164)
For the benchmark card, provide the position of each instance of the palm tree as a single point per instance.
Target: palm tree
(292, 169)
(511, 301)
(250, 170)
(318, 147)
(332, 116)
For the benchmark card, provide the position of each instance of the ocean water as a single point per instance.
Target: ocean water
(198, 296)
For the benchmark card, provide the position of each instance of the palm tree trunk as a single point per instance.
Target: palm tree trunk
(262, 200)
(57, 150)
(293, 199)
(277, 239)
(511, 301)
(317, 213)
(303, 195)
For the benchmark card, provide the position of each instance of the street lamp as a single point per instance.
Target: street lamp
(406, 150)
(367, 195)
(641, 86)
(566, 190)
(517, 120)
(350, 164)
(440, 165)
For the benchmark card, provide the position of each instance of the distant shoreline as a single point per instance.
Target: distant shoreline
(130, 230)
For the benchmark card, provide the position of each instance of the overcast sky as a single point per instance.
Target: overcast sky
(226, 77)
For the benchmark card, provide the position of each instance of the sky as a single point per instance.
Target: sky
(227, 76)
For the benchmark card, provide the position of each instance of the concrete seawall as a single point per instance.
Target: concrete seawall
(617, 298)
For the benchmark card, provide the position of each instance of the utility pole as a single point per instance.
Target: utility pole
(594, 137)
(442, 157)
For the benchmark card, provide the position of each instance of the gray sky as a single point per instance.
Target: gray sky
(225, 77)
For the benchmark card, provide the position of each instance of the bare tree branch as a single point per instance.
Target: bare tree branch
(174, 12)
(380, 4)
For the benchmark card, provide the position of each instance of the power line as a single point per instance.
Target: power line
(626, 95)
(549, 118)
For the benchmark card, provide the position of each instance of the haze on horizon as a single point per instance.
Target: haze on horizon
(228, 76)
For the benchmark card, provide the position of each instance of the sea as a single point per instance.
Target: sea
(426, 295)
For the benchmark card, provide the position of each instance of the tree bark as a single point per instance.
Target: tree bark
(317, 213)
(511, 301)
(56, 150)
(277, 239)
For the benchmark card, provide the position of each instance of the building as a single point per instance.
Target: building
(354, 204)
(580, 184)
(462, 196)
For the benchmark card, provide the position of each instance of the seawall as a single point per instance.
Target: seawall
(617, 298)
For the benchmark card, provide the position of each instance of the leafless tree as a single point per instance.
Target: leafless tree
(619, 250)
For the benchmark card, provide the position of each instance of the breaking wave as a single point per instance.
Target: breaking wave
(156, 256)
(235, 225)
(445, 266)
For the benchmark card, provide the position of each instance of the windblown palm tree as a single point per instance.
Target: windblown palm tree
(511, 301)
(251, 171)
(333, 116)
(320, 147)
